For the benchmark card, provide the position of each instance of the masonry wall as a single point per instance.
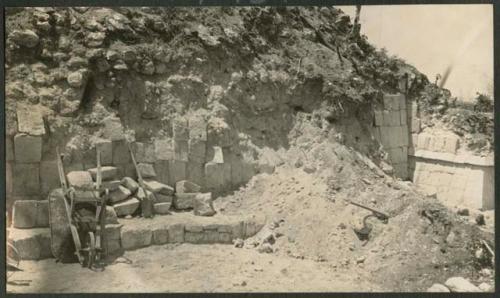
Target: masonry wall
(391, 130)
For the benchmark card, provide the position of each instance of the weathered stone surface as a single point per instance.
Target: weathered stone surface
(106, 149)
(130, 184)
(176, 233)
(438, 288)
(79, 179)
(164, 149)
(196, 151)
(107, 173)
(218, 156)
(144, 152)
(49, 176)
(24, 214)
(185, 186)
(225, 238)
(176, 171)
(9, 149)
(127, 207)
(181, 150)
(32, 244)
(162, 208)
(42, 214)
(163, 198)
(120, 194)
(121, 154)
(160, 235)
(180, 129)
(126, 170)
(184, 200)
(157, 187)
(194, 238)
(26, 38)
(25, 179)
(147, 170)
(214, 176)
(196, 173)
(8, 178)
(133, 237)
(30, 121)
(197, 127)
(28, 149)
(203, 205)
(161, 170)
(460, 284)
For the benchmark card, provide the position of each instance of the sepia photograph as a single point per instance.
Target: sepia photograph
(249, 148)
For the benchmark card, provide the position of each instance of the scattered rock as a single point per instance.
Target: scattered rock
(238, 243)
(309, 169)
(360, 260)
(120, 194)
(460, 284)
(265, 248)
(26, 38)
(438, 288)
(480, 220)
(463, 212)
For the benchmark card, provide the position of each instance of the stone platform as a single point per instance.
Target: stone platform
(133, 233)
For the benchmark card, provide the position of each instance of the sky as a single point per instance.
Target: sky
(431, 37)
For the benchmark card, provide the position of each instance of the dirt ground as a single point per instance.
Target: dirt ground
(192, 268)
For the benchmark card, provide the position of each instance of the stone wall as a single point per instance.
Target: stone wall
(391, 130)
(457, 178)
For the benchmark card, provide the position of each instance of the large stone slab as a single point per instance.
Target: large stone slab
(79, 179)
(42, 214)
(30, 121)
(121, 154)
(176, 233)
(28, 149)
(197, 151)
(176, 171)
(164, 149)
(127, 207)
(32, 244)
(144, 152)
(147, 170)
(49, 176)
(161, 170)
(25, 179)
(181, 150)
(130, 184)
(113, 129)
(162, 208)
(107, 172)
(120, 194)
(157, 187)
(24, 214)
(214, 176)
(160, 235)
(133, 237)
(203, 205)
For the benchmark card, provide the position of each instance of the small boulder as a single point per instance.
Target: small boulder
(438, 288)
(120, 194)
(186, 186)
(26, 38)
(127, 207)
(460, 284)
(130, 184)
(265, 248)
(203, 205)
(480, 220)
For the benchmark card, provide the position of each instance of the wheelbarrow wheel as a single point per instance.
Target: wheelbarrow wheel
(91, 249)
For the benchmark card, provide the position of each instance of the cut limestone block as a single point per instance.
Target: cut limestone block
(157, 187)
(160, 235)
(196, 173)
(134, 237)
(185, 186)
(197, 127)
(32, 244)
(176, 171)
(218, 156)
(147, 170)
(126, 170)
(176, 233)
(184, 200)
(196, 150)
(42, 214)
(8, 178)
(121, 154)
(9, 149)
(24, 214)
(164, 149)
(451, 144)
(107, 173)
(162, 208)
(25, 179)
(130, 184)
(214, 176)
(106, 149)
(181, 150)
(203, 205)
(392, 101)
(111, 185)
(120, 194)
(113, 129)
(180, 129)
(113, 238)
(127, 207)
(111, 216)
(159, 198)
(27, 149)
(30, 121)
(161, 170)
(49, 176)
(144, 152)
(193, 237)
(79, 179)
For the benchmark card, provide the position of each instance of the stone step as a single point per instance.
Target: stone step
(134, 233)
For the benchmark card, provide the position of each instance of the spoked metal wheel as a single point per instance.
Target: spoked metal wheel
(91, 251)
